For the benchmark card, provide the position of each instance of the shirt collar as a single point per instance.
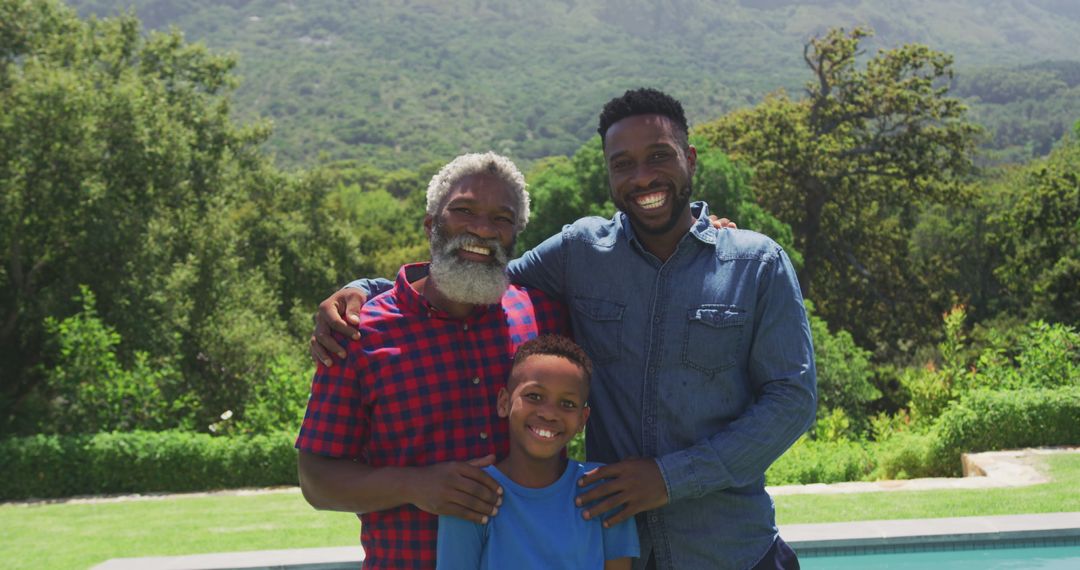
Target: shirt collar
(409, 300)
(702, 230)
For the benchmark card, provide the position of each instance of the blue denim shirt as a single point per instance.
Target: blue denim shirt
(703, 361)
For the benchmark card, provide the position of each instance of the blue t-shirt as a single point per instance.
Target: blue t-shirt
(535, 528)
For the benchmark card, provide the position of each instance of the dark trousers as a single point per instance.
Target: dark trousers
(779, 557)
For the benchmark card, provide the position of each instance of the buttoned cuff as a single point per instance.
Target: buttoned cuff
(687, 475)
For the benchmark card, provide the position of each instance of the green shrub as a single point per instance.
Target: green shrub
(90, 390)
(844, 374)
(815, 461)
(903, 455)
(44, 466)
(986, 420)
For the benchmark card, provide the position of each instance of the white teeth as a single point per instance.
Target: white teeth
(476, 249)
(650, 201)
(543, 432)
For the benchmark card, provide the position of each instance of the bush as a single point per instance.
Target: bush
(992, 420)
(844, 374)
(815, 461)
(89, 388)
(43, 466)
(903, 455)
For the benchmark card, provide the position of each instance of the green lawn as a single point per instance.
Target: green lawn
(1060, 495)
(73, 536)
(81, 535)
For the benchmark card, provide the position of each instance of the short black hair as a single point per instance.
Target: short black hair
(556, 345)
(643, 101)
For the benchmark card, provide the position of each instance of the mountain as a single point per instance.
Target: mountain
(397, 82)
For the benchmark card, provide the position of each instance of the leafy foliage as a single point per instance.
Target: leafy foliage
(44, 466)
(845, 387)
(90, 390)
(848, 168)
(1026, 109)
(1036, 225)
(987, 420)
(120, 170)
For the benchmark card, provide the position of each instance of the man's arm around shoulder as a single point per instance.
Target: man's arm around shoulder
(456, 488)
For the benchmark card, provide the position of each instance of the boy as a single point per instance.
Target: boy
(538, 525)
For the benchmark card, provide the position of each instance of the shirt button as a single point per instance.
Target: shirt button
(649, 420)
(652, 518)
(656, 320)
(465, 326)
(483, 435)
(475, 380)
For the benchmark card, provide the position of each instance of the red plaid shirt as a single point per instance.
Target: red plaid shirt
(420, 387)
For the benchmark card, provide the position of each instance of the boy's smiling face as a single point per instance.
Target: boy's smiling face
(545, 403)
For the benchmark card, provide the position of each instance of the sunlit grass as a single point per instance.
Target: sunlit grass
(63, 536)
(82, 535)
(1060, 495)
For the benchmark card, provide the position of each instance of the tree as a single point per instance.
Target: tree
(849, 167)
(1036, 226)
(121, 170)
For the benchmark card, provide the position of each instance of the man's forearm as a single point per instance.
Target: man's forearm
(781, 371)
(344, 485)
(740, 454)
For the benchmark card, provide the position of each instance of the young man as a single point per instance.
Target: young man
(704, 366)
(399, 430)
(539, 527)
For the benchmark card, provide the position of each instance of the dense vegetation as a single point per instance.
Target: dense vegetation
(158, 269)
(395, 83)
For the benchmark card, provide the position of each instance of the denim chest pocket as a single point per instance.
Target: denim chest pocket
(599, 326)
(713, 336)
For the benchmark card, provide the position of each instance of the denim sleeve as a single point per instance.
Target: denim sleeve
(543, 267)
(371, 287)
(782, 376)
(460, 545)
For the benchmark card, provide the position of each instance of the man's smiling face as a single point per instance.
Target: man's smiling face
(650, 168)
(472, 238)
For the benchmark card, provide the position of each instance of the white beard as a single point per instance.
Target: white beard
(467, 281)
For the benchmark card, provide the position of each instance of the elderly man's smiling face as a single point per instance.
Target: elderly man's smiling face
(472, 238)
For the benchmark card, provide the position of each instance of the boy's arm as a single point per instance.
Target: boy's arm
(620, 544)
(457, 488)
(460, 546)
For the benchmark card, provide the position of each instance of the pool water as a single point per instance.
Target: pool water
(1040, 558)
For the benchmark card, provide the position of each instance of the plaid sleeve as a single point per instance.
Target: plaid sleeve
(551, 314)
(337, 418)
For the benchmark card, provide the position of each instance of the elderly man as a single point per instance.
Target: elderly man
(703, 363)
(399, 430)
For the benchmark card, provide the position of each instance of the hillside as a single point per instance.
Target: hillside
(395, 82)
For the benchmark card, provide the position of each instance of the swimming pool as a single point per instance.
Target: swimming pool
(1036, 558)
(1047, 541)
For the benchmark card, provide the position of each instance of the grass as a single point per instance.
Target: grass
(1057, 496)
(63, 536)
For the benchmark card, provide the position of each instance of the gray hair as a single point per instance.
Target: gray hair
(475, 163)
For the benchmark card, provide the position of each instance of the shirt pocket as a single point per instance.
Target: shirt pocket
(599, 324)
(713, 336)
